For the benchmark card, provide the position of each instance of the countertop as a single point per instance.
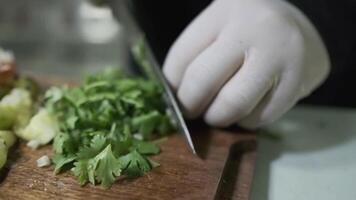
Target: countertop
(313, 159)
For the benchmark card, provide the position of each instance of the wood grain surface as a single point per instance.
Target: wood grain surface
(181, 175)
(223, 170)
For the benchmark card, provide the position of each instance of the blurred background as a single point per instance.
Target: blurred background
(67, 37)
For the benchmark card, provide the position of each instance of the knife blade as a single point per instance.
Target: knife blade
(125, 13)
(143, 52)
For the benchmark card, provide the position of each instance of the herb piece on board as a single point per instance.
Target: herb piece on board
(134, 164)
(100, 122)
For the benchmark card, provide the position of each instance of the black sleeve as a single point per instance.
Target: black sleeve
(164, 20)
(335, 21)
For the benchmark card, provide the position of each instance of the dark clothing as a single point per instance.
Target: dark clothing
(336, 21)
(163, 21)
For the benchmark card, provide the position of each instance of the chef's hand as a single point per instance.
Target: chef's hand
(246, 62)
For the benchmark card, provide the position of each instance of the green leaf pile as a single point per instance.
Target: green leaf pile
(106, 126)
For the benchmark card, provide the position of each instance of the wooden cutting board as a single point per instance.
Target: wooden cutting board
(223, 170)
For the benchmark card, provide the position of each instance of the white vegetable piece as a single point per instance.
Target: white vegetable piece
(44, 161)
(138, 136)
(33, 144)
(42, 128)
(17, 98)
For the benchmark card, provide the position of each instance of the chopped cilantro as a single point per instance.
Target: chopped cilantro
(100, 122)
(134, 164)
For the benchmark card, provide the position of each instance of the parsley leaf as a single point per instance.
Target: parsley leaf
(147, 148)
(105, 167)
(80, 170)
(95, 147)
(135, 164)
(100, 122)
(60, 161)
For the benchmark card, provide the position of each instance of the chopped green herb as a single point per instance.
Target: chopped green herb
(134, 164)
(106, 126)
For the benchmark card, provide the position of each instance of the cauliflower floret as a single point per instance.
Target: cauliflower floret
(44, 161)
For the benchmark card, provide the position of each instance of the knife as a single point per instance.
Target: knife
(150, 66)
(142, 52)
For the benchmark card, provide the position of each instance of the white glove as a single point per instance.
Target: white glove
(246, 62)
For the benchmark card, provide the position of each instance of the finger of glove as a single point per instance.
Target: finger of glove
(200, 34)
(207, 74)
(242, 93)
(280, 99)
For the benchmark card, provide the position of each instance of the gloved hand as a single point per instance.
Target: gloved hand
(246, 62)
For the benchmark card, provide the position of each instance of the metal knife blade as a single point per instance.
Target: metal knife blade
(125, 13)
(171, 101)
